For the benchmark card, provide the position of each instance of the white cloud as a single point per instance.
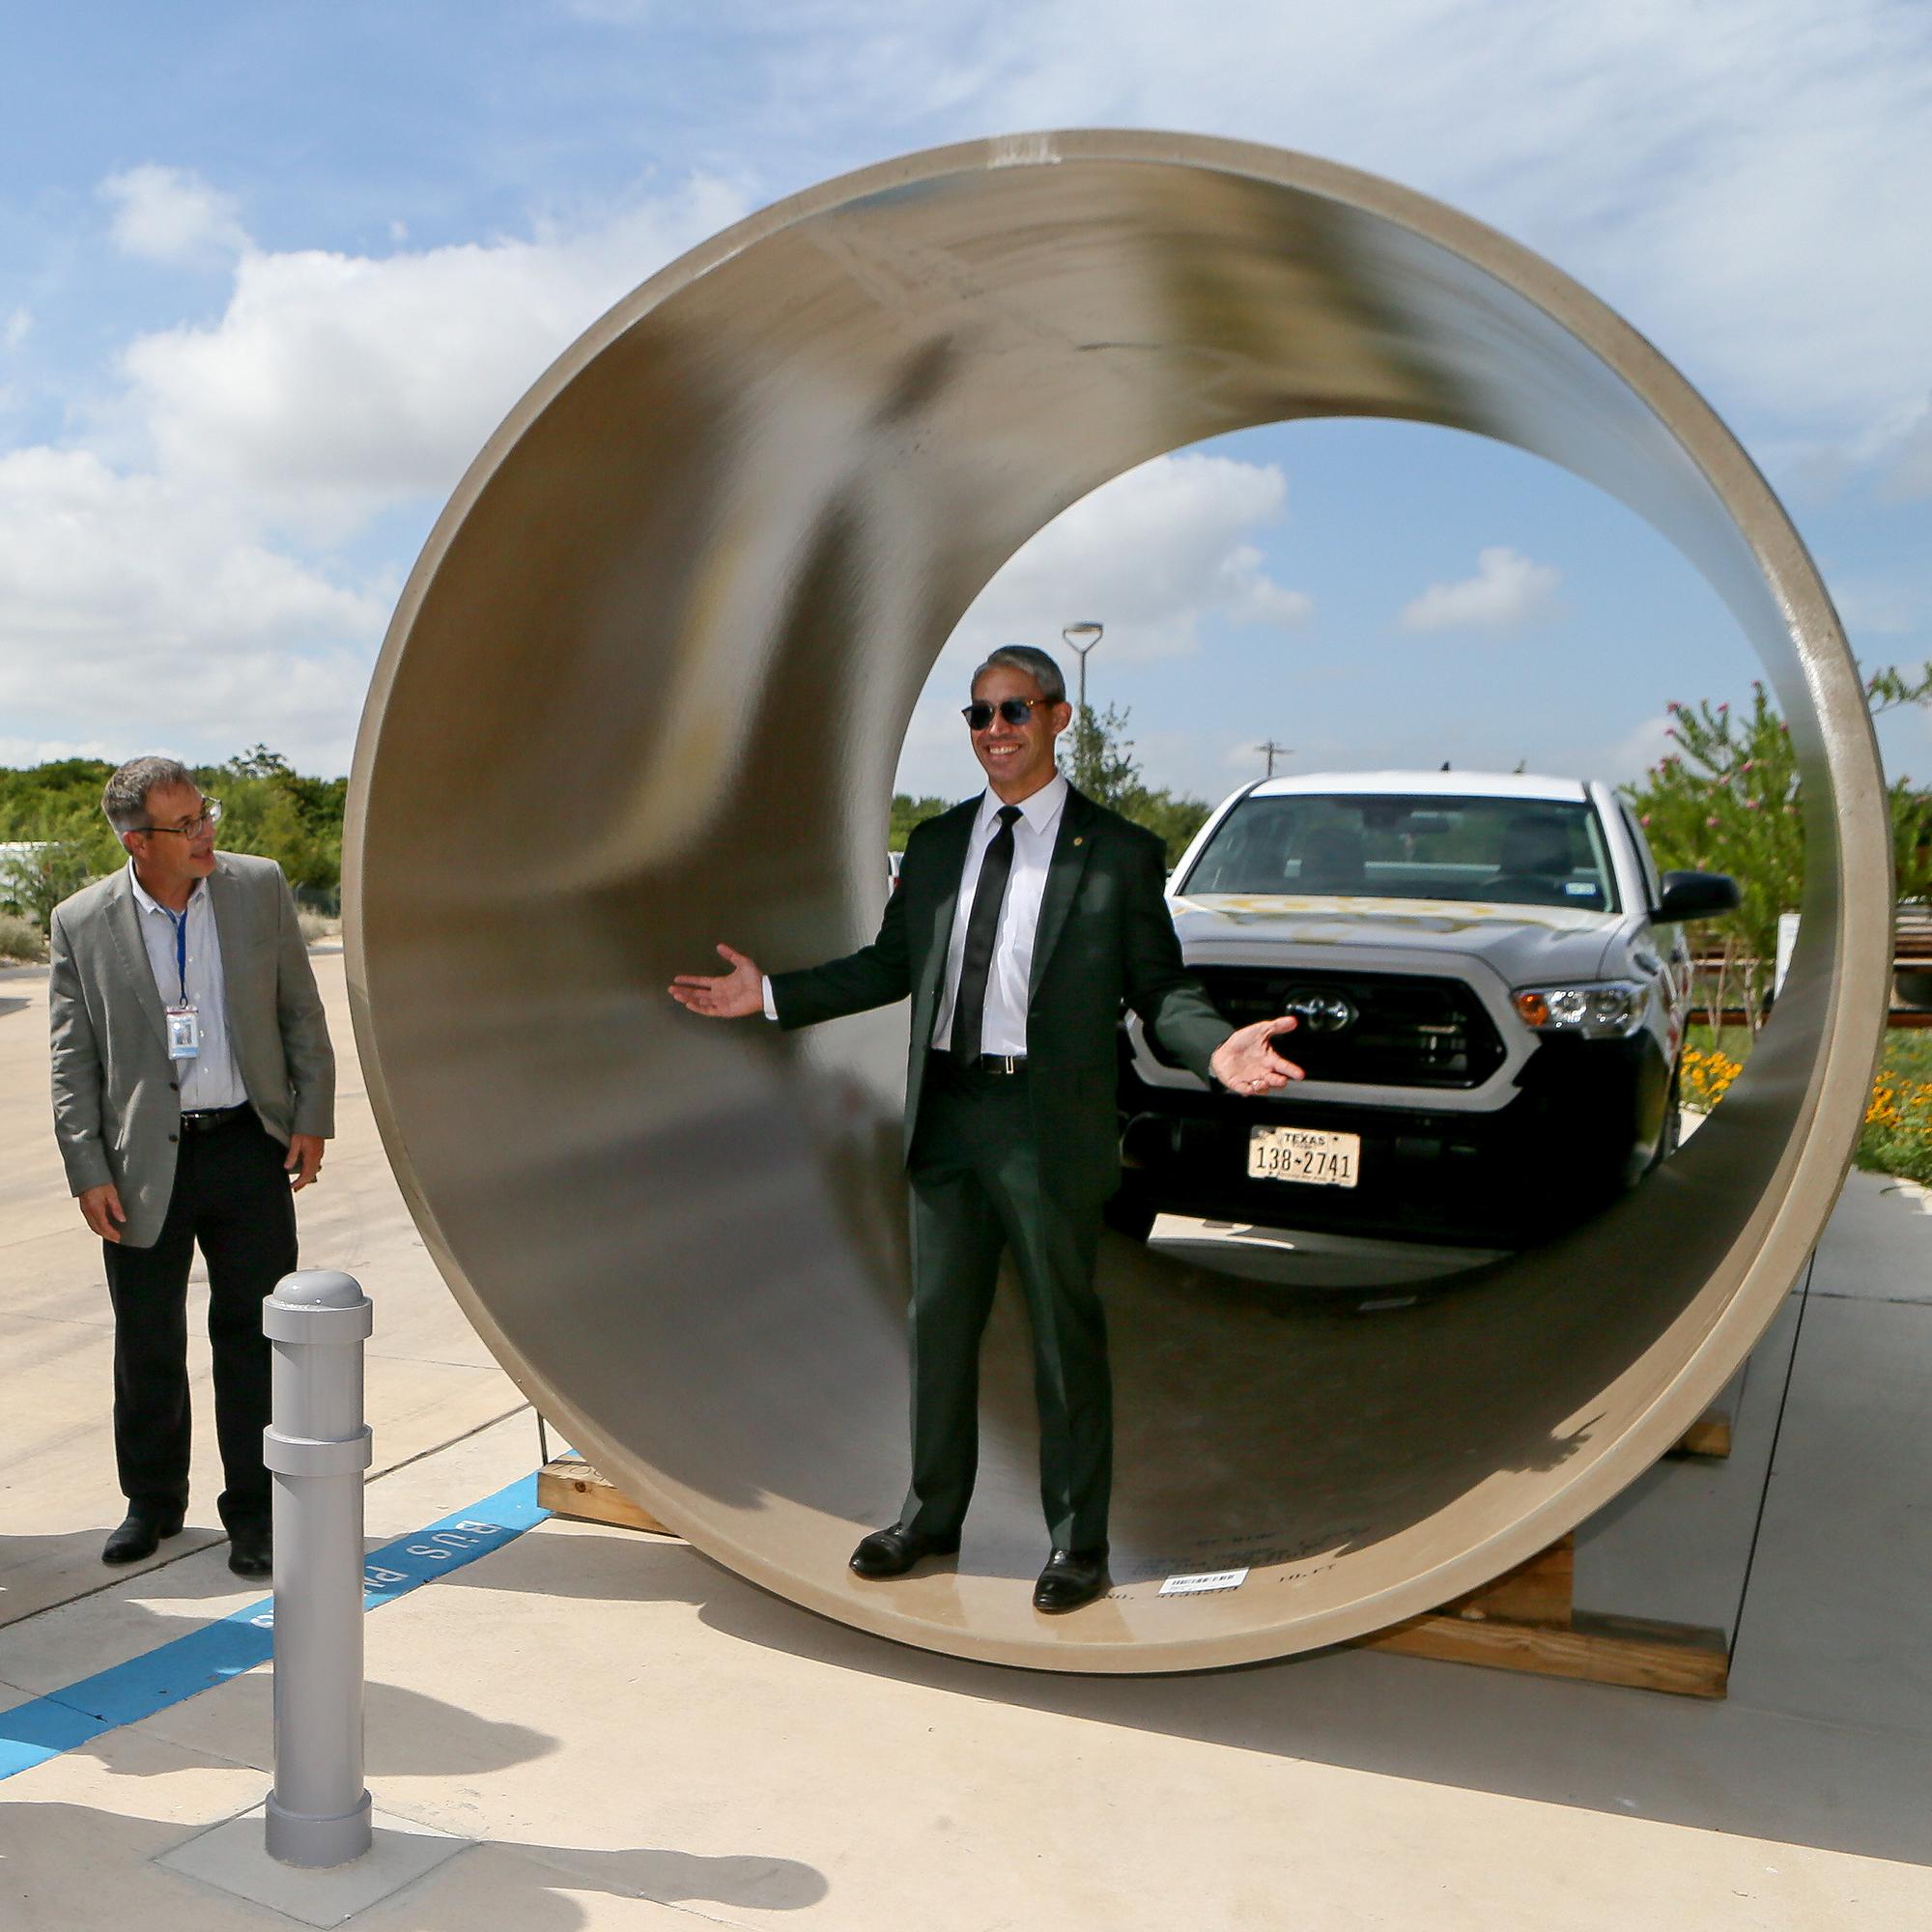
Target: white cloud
(1906, 458)
(1731, 175)
(15, 753)
(16, 330)
(334, 386)
(1631, 755)
(1151, 554)
(182, 576)
(1507, 593)
(131, 607)
(171, 215)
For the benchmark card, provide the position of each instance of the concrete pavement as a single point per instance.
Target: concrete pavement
(628, 1736)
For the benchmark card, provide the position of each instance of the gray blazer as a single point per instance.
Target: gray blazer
(117, 1103)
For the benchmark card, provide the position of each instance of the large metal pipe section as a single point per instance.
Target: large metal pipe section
(645, 690)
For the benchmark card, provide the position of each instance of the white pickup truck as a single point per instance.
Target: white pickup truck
(1491, 981)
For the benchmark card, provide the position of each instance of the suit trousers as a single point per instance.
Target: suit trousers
(975, 1176)
(231, 1196)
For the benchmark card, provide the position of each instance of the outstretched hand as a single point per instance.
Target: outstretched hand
(1245, 1063)
(736, 995)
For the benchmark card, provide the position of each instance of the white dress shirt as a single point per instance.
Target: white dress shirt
(212, 1078)
(1003, 1027)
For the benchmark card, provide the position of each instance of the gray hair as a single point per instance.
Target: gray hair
(1034, 663)
(125, 799)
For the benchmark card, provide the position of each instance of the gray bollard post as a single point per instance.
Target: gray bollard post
(317, 1447)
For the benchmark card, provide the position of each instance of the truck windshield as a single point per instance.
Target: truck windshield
(1510, 851)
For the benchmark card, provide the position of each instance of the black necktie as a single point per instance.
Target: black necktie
(969, 1009)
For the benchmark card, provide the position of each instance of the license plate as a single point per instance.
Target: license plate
(1296, 1154)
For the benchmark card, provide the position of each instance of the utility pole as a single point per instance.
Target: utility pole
(1272, 751)
(1090, 631)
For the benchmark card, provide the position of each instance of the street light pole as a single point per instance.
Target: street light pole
(1090, 631)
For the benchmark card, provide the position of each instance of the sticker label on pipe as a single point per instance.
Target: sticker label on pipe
(1207, 1580)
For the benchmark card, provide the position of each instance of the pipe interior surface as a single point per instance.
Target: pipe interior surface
(646, 689)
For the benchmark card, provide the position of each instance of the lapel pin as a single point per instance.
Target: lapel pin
(1081, 841)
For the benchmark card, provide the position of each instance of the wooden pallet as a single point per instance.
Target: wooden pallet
(1709, 1436)
(1527, 1620)
(570, 1486)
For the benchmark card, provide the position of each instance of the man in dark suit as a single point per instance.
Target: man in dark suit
(1023, 918)
(193, 1087)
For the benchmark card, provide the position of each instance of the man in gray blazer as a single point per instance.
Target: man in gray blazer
(193, 1087)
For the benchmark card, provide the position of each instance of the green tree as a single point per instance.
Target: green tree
(67, 844)
(908, 812)
(1098, 760)
(269, 808)
(62, 786)
(1729, 800)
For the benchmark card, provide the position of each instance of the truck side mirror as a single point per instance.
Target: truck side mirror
(1696, 895)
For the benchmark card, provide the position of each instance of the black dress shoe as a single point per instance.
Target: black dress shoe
(251, 1551)
(1071, 1577)
(892, 1552)
(139, 1534)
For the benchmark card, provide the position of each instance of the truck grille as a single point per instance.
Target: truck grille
(1404, 1030)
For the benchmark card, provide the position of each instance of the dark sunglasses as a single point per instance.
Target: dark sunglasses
(1014, 710)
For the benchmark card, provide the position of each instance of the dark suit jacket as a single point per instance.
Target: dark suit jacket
(1104, 937)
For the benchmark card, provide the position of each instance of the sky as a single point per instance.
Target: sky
(270, 276)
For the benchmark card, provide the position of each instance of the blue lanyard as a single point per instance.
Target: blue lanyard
(181, 948)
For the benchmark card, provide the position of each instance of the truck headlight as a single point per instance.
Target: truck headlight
(1607, 1009)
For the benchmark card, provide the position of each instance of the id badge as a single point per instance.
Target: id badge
(183, 1033)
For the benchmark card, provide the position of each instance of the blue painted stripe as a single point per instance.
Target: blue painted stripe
(33, 1732)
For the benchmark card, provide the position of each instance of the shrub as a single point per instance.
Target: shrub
(66, 853)
(21, 938)
(1707, 1077)
(1728, 799)
(1896, 1137)
(1897, 1134)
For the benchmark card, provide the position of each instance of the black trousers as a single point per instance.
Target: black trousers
(975, 1181)
(231, 1198)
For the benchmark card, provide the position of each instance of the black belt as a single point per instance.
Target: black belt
(986, 1063)
(207, 1120)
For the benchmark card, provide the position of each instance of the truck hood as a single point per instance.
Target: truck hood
(1521, 943)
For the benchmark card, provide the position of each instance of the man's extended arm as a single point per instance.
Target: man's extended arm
(1168, 998)
(1172, 1003)
(874, 976)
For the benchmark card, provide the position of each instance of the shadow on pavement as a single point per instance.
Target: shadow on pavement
(494, 1881)
(1711, 1767)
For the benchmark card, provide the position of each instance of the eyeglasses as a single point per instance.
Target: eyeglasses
(211, 815)
(1014, 710)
